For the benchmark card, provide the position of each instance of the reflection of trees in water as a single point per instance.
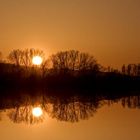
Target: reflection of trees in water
(0, 115)
(70, 109)
(20, 108)
(74, 110)
(131, 102)
(24, 114)
(112, 101)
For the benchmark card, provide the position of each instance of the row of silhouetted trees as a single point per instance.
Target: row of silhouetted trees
(74, 60)
(65, 61)
(65, 69)
(62, 61)
(131, 69)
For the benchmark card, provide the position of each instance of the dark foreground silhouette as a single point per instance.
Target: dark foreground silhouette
(21, 78)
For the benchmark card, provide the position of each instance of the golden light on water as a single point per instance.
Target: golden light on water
(37, 60)
(37, 112)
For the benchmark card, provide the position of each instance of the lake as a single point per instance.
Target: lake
(72, 118)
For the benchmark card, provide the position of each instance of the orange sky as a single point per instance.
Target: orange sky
(108, 29)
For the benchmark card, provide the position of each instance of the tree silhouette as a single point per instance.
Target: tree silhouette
(129, 69)
(28, 55)
(0, 56)
(45, 67)
(74, 60)
(15, 57)
(123, 69)
(24, 57)
(138, 70)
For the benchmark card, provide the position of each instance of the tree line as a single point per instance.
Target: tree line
(131, 69)
(64, 70)
(64, 61)
(71, 60)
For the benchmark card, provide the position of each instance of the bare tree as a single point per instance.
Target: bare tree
(129, 68)
(73, 55)
(28, 54)
(45, 67)
(24, 57)
(123, 69)
(16, 57)
(86, 62)
(0, 56)
(138, 69)
(73, 60)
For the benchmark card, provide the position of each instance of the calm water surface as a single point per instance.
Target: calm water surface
(73, 119)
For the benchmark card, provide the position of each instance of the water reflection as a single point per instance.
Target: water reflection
(74, 110)
(70, 109)
(24, 114)
(131, 102)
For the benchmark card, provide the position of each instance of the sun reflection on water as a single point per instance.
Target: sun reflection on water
(37, 111)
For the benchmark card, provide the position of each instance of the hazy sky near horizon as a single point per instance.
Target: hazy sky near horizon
(108, 29)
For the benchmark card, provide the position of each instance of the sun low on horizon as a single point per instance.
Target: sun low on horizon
(104, 28)
(37, 60)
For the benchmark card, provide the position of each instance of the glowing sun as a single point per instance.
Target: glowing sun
(37, 60)
(37, 112)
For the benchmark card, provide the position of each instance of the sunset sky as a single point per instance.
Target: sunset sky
(108, 29)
